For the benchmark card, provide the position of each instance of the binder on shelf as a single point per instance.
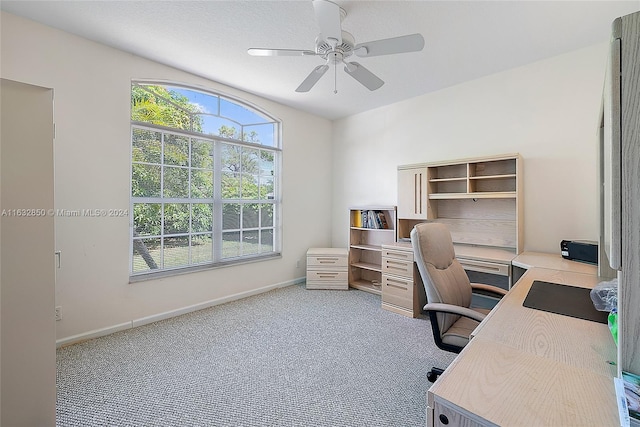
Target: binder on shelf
(382, 219)
(373, 219)
(357, 219)
(377, 219)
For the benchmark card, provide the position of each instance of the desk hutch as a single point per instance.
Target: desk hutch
(480, 200)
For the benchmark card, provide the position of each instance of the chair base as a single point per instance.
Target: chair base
(434, 373)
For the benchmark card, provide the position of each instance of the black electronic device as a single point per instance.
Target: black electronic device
(580, 250)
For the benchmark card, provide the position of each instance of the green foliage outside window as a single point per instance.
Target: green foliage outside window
(151, 106)
(180, 169)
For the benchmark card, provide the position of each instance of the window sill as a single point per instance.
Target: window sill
(198, 268)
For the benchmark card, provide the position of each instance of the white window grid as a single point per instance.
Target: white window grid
(216, 201)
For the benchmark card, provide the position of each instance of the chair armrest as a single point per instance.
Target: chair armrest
(488, 289)
(454, 309)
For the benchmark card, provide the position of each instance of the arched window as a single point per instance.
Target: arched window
(204, 180)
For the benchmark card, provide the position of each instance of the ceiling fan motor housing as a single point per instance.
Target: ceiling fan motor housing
(342, 51)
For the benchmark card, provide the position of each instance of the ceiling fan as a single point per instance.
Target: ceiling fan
(334, 46)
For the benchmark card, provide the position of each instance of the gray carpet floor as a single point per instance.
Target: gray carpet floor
(288, 357)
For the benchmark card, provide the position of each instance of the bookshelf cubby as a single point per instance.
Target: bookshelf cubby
(365, 246)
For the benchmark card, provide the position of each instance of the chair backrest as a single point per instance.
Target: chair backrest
(444, 278)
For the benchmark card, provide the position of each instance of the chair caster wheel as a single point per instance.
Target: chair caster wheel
(434, 373)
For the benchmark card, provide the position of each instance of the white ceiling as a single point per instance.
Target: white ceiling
(464, 40)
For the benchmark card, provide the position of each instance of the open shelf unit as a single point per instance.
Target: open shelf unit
(365, 247)
(488, 177)
(479, 199)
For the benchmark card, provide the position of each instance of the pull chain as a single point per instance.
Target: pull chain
(335, 78)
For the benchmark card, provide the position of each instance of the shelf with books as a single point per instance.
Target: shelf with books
(371, 218)
(369, 228)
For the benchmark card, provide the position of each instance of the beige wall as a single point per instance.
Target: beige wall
(547, 111)
(92, 170)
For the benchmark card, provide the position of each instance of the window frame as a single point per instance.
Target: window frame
(218, 142)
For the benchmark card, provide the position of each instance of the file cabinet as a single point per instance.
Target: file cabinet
(402, 289)
(327, 268)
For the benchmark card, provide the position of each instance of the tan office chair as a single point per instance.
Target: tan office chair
(448, 289)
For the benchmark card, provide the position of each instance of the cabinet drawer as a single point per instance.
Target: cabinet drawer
(326, 276)
(326, 261)
(398, 291)
(484, 266)
(397, 254)
(397, 267)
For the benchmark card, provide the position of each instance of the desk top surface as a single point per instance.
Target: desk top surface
(530, 367)
(552, 261)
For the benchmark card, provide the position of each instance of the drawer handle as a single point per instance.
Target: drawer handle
(327, 275)
(401, 264)
(397, 284)
(327, 260)
(483, 268)
(397, 266)
(397, 255)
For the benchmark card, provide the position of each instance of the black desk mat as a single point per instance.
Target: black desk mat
(563, 299)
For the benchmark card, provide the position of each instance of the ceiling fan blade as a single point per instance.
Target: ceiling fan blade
(328, 19)
(364, 76)
(278, 52)
(312, 78)
(410, 43)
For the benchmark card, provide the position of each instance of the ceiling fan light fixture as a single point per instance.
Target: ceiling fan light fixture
(335, 57)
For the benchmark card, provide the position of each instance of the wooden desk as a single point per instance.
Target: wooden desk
(526, 367)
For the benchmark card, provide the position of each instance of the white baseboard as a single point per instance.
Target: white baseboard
(206, 304)
(96, 333)
(169, 314)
